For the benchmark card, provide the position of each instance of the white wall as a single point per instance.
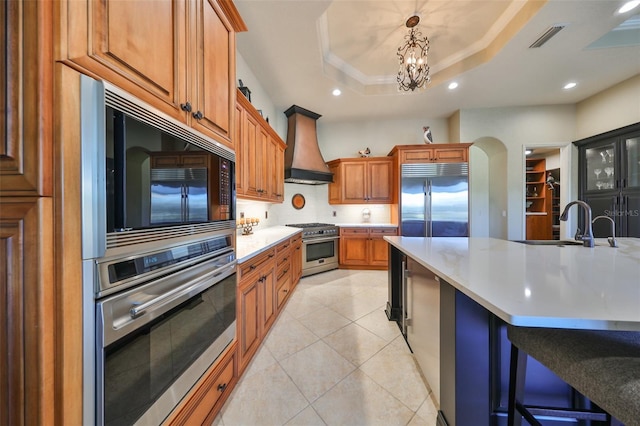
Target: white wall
(516, 128)
(344, 140)
(259, 98)
(610, 109)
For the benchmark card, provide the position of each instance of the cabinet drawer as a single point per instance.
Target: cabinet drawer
(256, 261)
(212, 392)
(296, 239)
(354, 231)
(284, 288)
(283, 246)
(283, 257)
(383, 231)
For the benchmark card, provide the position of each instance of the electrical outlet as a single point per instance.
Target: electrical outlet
(241, 215)
(334, 213)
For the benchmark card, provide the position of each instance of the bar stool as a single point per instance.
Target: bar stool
(604, 366)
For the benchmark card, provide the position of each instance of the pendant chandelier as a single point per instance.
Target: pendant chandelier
(414, 69)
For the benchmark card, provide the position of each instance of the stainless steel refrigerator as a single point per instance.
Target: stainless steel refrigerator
(434, 200)
(179, 196)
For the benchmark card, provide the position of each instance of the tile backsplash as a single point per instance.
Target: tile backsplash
(316, 209)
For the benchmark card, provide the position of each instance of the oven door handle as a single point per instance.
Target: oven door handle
(137, 310)
(321, 240)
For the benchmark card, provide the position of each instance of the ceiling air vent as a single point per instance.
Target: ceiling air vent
(546, 36)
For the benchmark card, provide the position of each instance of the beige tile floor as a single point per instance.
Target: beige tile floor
(332, 358)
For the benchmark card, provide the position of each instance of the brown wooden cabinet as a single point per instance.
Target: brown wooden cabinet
(296, 259)
(365, 247)
(259, 155)
(180, 57)
(256, 303)
(361, 181)
(265, 283)
(432, 153)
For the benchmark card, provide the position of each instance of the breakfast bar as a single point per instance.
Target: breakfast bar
(455, 297)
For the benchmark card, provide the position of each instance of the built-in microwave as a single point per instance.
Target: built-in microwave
(146, 176)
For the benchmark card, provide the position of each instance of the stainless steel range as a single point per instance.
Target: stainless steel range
(320, 247)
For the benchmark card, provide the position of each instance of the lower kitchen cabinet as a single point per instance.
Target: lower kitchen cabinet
(296, 259)
(264, 284)
(213, 389)
(365, 247)
(255, 304)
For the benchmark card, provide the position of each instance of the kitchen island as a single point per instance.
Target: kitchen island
(463, 291)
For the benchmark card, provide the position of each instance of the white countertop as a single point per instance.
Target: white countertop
(248, 246)
(540, 286)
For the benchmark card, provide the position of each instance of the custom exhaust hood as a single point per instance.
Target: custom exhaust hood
(303, 162)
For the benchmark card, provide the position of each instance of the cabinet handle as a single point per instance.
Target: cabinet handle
(252, 267)
(222, 387)
(186, 107)
(197, 115)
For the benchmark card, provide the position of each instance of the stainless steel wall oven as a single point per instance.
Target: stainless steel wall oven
(155, 340)
(158, 250)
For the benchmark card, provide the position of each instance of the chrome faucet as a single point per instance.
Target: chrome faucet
(587, 237)
(612, 239)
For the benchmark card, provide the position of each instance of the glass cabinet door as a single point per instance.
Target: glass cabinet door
(632, 146)
(601, 170)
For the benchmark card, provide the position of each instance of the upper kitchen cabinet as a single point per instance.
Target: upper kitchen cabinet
(179, 55)
(259, 156)
(432, 153)
(609, 179)
(361, 180)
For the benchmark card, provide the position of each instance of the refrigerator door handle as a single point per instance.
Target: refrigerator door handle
(427, 215)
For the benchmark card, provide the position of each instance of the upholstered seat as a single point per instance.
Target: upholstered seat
(604, 366)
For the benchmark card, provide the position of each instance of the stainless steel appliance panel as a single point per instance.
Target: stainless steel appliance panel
(434, 200)
(154, 341)
(320, 255)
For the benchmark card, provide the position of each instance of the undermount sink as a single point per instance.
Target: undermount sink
(549, 242)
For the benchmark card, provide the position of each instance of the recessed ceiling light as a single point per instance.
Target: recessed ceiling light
(336, 92)
(629, 6)
(453, 85)
(570, 85)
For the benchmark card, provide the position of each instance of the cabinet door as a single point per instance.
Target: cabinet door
(268, 298)
(296, 262)
(26, 150)
(248, 319)
(240, 146)
(335, 187)
(213, 94)
(600, 167)
(137, 45)
(631, 215)
(631, 147)
(354, 187)
(253, 159)
(354, 243)
(602, 205)
(378, 247)
(379, 181)
(274, 159)
(450, 155)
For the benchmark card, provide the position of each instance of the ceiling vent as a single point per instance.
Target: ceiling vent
(546, 36)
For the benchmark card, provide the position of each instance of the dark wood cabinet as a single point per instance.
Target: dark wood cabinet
(609, 180)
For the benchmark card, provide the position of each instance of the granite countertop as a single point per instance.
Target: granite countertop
(539, 286)
(248, 246)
